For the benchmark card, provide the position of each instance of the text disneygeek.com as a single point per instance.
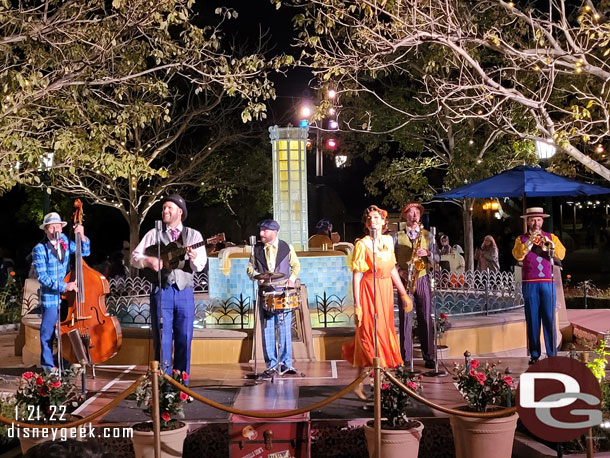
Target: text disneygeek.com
(82, 432)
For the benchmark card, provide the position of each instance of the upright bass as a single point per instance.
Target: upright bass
(88, 331)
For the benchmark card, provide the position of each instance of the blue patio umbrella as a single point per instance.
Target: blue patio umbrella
(524, 181)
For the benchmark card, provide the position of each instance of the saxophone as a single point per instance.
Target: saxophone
(416, 263)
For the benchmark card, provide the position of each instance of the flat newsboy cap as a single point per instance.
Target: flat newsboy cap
(51, 218)
(179, 201)
(270, 224)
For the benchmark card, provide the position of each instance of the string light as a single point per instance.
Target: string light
(510, 4)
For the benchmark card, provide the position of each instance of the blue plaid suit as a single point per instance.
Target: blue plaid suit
(50, 272)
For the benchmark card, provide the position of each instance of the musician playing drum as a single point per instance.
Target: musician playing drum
(176, 293)
(274, 255)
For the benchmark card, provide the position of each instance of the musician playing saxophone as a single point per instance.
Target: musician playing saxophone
(536, 249)
(175, 297)
(413, 253)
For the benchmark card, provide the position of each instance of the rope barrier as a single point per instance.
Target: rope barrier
(80, 421)
(462, 413)
(257, 414)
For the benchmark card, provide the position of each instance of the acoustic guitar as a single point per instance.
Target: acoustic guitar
(173, 253)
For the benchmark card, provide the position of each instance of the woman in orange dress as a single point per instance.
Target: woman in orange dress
(362, 351)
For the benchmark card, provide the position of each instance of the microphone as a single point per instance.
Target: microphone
(374, 233)
(158, 225)
(252, 240)
(57, 235)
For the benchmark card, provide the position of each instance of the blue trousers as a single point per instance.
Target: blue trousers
(422, 302)
(47, 334)
(284, 323)
(539, 301)
(177, 312)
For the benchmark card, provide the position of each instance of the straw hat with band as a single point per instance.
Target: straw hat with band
(51, 218)
(535, 211)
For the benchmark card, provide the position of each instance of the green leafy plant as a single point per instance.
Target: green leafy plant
(483, 386)
(394, 401)
(598, 365)
(7, 409)
(171, 400)
(45, 397)
(11, 296)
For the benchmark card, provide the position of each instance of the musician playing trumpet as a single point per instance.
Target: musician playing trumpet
(413, 257)
(538, 251)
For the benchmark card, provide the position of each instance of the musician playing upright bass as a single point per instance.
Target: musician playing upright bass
(176, 293)
(413, 254)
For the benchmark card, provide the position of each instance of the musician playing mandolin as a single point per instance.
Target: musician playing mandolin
(51, 259)
(415, 237)
(176, 293)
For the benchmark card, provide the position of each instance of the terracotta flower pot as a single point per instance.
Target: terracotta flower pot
(483, 437)
(172, 442)
(401, 443)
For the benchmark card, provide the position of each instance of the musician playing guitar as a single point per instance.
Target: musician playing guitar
(176, 294)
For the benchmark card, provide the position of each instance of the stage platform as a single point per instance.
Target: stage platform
(340, 421)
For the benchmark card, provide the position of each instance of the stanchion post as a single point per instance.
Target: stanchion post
(154, 373)
(590, 453)
(377, 389)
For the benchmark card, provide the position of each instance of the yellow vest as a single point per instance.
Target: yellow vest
(404, 249)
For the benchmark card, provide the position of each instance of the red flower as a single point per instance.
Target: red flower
(481, 377)
(176, 371)
(56, 384)
(508, 380)
(185, 376)
(184, 396)
(412, 385)
(443, 316)
(41, 392)
(63, 244)
(39, 380)
(165, 417)
(27, 375)
(471, 372)
(385, 386)
(474, 364)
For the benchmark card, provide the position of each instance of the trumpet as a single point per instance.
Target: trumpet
(543, 242)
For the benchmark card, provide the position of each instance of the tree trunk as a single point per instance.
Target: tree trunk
(468, 236)
(134, 220)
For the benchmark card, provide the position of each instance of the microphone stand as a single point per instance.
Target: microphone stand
(256, 309)
(374, 236)
(58, 323)
(553, 294)
(436, 372)
(159, 229)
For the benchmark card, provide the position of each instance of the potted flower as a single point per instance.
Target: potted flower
(485, 388)
(400, 436)
(46, 398)
(171, 406)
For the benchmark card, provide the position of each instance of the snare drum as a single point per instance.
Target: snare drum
(281, 301)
